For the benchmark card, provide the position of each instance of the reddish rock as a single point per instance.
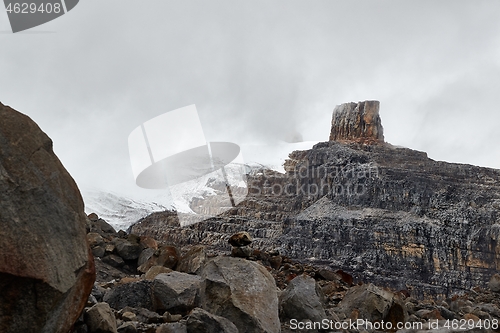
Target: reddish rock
(155, 271)
(193, 260)
(46, 267)
(275, 262)
(148, 242)
(346, 277)
(167, 256)
(357, 122)
(241, 252)
(240, 239)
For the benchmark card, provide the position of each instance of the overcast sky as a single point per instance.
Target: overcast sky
(258, 72)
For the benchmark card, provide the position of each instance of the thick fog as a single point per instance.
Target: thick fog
(259, 72)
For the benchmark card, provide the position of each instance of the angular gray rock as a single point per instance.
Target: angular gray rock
(100, 319)
(177, 292)
(134, 294)
(98, 251)
(201, 321)
(243, 292)
(46, 267)
(239, 239)
(127, 250)
(146, 254)
(127, 327)
(155, 271)
(494, 283)
(140, 315)
(114, 260)
(95, 239)
(302, 299)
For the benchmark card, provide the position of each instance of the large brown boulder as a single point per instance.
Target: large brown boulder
(46, 268)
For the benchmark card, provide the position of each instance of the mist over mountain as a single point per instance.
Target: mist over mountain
(386, 214)
(124, 209)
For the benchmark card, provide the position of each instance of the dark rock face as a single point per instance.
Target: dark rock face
(135, 294)
(357, 122)
(46, 268)
(201, 321)
(388, 215)
(410, 222)
(383, 214)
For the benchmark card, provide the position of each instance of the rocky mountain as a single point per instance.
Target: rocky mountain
(388, 215)
(122, 211)
(357, 122)
(385, 214)
(202, 196)
(144, 285)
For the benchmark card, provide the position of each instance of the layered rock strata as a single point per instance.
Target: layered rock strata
(266, 292)
(387, 215)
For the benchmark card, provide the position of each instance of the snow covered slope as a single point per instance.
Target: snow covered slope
(122, 210)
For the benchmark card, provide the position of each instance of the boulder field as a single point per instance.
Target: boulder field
(201, 289)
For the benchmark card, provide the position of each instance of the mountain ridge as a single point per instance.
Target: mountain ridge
(387, 215)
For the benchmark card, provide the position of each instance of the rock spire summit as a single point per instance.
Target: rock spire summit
(357, 122)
